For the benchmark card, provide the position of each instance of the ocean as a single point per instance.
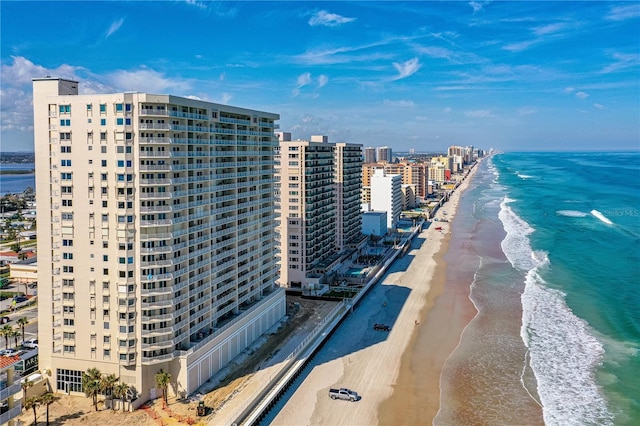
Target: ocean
(16, 183)
(555, 277)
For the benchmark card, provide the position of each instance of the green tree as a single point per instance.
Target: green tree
(106, 386)
(15, 334)
(6, 331)
(25, 384)
(120, 391)
(33, 403)
(23, 322)
(162, 381)
(16, 248)
(91, 385)
(48, 399)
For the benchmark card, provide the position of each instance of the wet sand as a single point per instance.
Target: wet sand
(446, 311)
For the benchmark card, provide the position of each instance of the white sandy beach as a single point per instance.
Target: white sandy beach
(371, 362)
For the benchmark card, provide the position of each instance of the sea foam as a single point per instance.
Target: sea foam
(563, 352)
(571, 213)
(602, 217)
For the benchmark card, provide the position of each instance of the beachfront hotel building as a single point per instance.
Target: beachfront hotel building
(384, 154)
(438, 168)
(386, 195)
(412, 174)
(156, 235)
(318, 194)
(370, 155)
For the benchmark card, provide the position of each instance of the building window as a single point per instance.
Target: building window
(103, 121)
(69, 380)
(65, 122)
(103, 108)
(119, 121)
(65, 109)
(119, 107)
(65, 163)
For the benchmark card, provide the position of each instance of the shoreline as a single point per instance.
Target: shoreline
(445, 312)
(380, 366)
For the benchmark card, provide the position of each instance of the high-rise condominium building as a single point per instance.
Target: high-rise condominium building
(370, 155)
(319, 207)
(348, 182)
(386, 195)
(384, 154)
(156, 235)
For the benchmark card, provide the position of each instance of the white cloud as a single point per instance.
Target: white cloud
(115, 26)
(476, 5)
(447, 109)
(328, 19)
(407, 68)
(196, 3)
(569, 90)
(479, 113)
(226, 98)
(597, 105)
(550, 28)
(518, 47)
(527, 111)
(303, 79)
(322, 80)
(623, 60)
(582, 95)
(147, 80)
(620, 13)
(399, 104)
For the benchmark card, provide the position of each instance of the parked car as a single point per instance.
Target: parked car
(343, 393)
(4, 320)
(381, 327)
(11, 352)
(19, 299)
(31, 343)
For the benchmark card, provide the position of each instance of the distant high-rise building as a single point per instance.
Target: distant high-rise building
(384, 154)
(438, 168)
(370, 155)
(412, 174)
(386, 195)
(156, 232)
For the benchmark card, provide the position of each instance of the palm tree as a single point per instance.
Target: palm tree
(120, 391)
(22, 323)
(33, 402)
(25, 384)
(162, 381)
(106, 386)
(6, 333)
(48, 399)
(91, 385)
(15, 334)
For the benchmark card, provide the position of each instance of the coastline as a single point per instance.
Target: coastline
(382, 367)
(445, 313)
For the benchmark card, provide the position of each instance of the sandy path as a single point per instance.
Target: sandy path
(377, 364)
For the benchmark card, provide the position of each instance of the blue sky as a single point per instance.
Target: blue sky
(519, 76)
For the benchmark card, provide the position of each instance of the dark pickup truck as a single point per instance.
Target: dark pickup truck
(343, 393)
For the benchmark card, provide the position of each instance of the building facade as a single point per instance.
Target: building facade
(384, 154)
(156, 235)
(348, 181)
(306, 207)
(319, 207)
(370, 155)
(386, 195)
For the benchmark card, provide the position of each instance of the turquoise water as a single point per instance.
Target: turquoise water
(572, 223)
(549, 246)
